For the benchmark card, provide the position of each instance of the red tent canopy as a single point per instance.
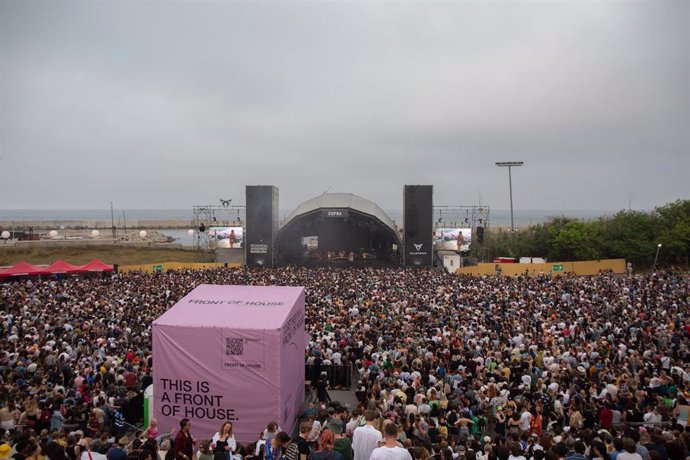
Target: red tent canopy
(60, 266)
(23, 269)
(96, 265)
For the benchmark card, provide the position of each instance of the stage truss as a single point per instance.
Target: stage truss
(462, 217)
(223, 215)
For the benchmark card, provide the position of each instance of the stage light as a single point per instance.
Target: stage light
(53, 233)
(142, 234)
(95, 233)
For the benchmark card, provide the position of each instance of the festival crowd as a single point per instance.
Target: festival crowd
(447, 367)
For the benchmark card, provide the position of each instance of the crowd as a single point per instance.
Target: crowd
(509, 368)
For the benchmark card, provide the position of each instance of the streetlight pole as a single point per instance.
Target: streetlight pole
(509, 165)
(656, 257)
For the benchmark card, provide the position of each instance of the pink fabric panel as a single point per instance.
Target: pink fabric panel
(230, 353)
(293, 341)
(253, 307)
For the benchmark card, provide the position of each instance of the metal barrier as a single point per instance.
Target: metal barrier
(671, 422)
(338, 377)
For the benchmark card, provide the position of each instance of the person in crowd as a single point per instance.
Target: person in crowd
(271, 430)
(184, 442)
(420, 343)
(150, 449)
(326, 450)
(223, 443)
(29, 450)
(284, 448)
(366, 438)
(9, 416)
(301, 441)
(89, 449)
(629, 451)
(152, 431)
(341, 443)
(117, 449)
(390, 450)
(5, 451)
(205, 452)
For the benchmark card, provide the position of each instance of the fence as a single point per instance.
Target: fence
(165, 266)
(338, 377)
(590, 267)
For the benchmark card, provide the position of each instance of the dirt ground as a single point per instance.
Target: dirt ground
(110, 254)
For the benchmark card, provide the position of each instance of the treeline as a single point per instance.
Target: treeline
(631, 235)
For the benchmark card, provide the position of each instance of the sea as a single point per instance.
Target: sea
(497, 217)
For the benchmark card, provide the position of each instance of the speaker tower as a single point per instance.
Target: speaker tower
(418, 210)
(262, 224)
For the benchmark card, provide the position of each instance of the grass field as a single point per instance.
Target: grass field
(121, 255)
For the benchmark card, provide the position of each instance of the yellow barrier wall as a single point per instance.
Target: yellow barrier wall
(173, 266)
(587, 267)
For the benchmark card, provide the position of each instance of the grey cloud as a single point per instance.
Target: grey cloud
(167, 104)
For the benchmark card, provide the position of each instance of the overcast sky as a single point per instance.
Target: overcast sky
(164, 104)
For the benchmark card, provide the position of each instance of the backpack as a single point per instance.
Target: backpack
(44, 418)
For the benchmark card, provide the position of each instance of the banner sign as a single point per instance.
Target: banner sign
(334, 213)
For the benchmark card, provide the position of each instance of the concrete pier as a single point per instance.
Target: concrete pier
(39, 225)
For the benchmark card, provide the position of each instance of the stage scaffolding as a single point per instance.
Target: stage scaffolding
(462, 217)
(223, 215)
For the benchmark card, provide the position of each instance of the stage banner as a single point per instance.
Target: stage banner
(231, 353)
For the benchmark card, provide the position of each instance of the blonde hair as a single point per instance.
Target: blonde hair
(31, 405)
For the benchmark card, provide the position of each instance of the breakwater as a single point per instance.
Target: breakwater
(102, 225)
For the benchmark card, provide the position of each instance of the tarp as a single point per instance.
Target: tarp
(60, 266)
(231, 353)
(23, 269)
(96, 265)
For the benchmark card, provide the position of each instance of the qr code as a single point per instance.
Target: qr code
(234, 346)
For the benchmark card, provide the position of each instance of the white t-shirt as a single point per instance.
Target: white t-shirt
(364, 440)
(525, 420)
(390, 453)
(628, 456)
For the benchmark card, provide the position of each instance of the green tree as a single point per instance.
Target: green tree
(576, 241)
(630, 235)
(674, 231)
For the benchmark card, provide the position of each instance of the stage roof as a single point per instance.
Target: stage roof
(342, 200)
